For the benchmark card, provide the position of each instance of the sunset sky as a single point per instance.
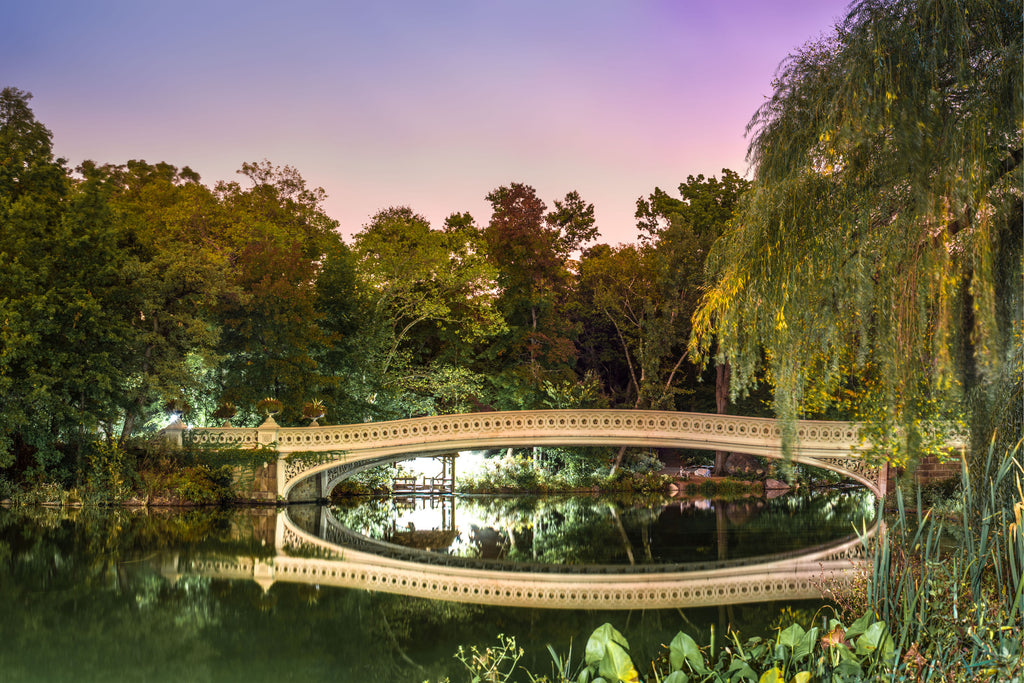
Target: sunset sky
(429, 104)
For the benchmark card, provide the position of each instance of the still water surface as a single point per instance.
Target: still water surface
(92, 595)
(578, 530)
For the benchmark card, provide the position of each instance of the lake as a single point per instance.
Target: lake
(94, 594)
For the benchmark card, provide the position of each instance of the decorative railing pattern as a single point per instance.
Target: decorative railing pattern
(798, 582)
(794, 578)
(224, 436)
(832, 445)
(602, 424)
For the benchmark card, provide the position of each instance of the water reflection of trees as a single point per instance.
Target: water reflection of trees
(576, 530)
(555, 531)
(87, 596)
(94, 595)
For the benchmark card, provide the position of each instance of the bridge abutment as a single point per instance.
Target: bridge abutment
(309, 490)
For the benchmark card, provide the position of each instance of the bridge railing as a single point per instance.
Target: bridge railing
(832, 445)
(636, 427)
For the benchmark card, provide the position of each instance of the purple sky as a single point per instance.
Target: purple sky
(430, 104)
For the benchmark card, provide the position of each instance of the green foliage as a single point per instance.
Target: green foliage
(722, 489)
(181, 293)
(438, 389)
(878, 250)
(933, 611)
(636, 301)
(310, 458)
(607, 652)
(492, 664)
(429, 294)
(530, 250)
(151, 470)
(371, 481)
(506, 473)
(110, 472)
(272, 335)
(202, 484)
(957, 609)
(864, 651)
(1000, 416)
(62, 345)
(574, 393)
(7, 488)
(374, 520)
(165, 277)
(552, 470)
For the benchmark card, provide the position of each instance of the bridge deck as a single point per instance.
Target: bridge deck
(831, 445)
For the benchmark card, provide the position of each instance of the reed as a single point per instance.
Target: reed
(943, 603)
(950, 591)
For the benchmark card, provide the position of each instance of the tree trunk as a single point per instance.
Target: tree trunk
(722, 376)
(622, 532)
(618, 461)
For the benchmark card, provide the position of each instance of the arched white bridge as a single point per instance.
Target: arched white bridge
(335, 452)
(302, 557)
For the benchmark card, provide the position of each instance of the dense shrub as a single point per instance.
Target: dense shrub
(202, 484)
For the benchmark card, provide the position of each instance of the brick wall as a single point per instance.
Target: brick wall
(928, 471)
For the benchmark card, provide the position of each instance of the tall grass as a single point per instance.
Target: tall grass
(951, 591)
(943, 603)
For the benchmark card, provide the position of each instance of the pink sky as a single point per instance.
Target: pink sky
(426, 104)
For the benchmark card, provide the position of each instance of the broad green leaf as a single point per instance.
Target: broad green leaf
(806, 644)
(848, 670)
(876, 639)
(873, 638)
(683, 648)
(597, 645)
(740, 670)
(676, 677)
(792, 636)
(859, 626)
(846, 654)
(617, 665)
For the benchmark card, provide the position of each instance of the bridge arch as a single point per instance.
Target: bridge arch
(334, 452)
(302, 557)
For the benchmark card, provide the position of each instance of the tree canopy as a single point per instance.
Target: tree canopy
(878, 252)
(428, 294)
(531, 249)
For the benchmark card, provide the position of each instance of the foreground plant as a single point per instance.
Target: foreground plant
(957, 613)
(492, 664)
(863, 651)
(930, 612)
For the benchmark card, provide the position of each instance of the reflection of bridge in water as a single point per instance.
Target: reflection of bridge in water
(335, 556)
(332, 453)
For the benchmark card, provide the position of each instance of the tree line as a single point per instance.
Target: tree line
(872, 266)
(133, 291)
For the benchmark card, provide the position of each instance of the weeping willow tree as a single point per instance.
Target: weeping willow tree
(876, 259)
